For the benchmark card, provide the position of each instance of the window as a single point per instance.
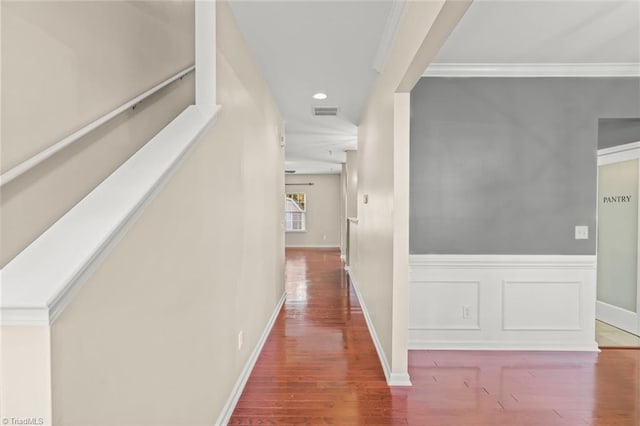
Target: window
(295, 212)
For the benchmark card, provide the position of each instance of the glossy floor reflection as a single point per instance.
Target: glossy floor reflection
(319, 366)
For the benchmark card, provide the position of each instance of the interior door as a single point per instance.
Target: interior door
(617, 288)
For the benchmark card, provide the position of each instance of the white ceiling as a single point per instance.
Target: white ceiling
(543, 31)
(332, 46)
(304, 47)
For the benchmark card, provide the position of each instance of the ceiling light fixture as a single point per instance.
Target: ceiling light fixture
(320, 96)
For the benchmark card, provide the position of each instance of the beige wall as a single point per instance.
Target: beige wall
(381, 265)
(65, 64)
(152, 336)
(323, 211)
(25, 392)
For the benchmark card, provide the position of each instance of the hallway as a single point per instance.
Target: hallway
(319, 366)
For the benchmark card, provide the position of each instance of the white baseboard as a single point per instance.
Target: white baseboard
(228, 408)
(312, 246)
(481, 345)
(399, 379)
(502, 302)
(618, 317)
(393, 379)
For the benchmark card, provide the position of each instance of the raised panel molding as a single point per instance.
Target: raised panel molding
(559, 305)
(439, 305)
(517, 302)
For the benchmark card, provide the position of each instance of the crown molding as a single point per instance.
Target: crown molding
(389, 33)
(532, 70)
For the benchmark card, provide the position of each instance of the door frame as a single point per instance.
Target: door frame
(616, 316)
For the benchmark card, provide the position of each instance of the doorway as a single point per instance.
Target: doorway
(618, 287)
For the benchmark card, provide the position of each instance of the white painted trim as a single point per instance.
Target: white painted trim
(532, 70)
(69, 251)
(230, 405)
(505, 287)
(619, 148)
(465, 261)
(314, 246)
(44, 155)
(614, 315)
(399, 379)
(205, 29)
(393, 379)
(389, 33)
(471, 327)
(42, 280)
(617, 154)
(617, 317)
(483, 345)
(506, 322)
(353, 220)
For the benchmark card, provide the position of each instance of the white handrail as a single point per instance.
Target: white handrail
(27, 165)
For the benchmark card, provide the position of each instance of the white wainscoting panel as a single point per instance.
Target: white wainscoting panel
(511, 302)
(561, 308)
(442, 305)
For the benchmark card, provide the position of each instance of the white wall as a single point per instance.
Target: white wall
(152, 337)
(323, 210)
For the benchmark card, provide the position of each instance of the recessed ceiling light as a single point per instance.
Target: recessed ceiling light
(320, 96)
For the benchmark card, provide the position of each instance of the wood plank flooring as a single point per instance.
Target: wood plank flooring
(319, 366)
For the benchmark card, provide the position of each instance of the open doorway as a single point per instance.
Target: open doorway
(618, 285)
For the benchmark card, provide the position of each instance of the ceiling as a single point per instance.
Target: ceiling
(304, 47)
(543, 31)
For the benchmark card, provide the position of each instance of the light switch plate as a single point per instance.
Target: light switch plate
(582, 232)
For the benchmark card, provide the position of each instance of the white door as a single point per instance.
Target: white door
(618, 292)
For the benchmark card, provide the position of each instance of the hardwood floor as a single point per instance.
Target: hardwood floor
(319, 366)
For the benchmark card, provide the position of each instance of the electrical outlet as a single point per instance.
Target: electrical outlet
(466, 311)
(240, 339)
(582, 233)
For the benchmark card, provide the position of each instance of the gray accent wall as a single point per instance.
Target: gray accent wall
(618, 131)
(508, 165)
